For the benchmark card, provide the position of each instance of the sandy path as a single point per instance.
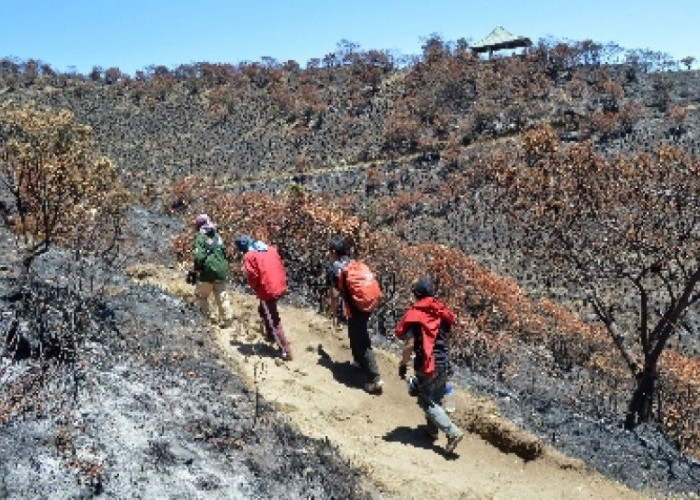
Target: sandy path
(321, 393)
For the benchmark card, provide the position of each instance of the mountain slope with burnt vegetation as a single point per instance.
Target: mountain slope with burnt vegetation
(397, 156)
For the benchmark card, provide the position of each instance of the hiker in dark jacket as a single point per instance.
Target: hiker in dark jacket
(358, 334)
(211, 266)
(267, 277)
(424, 329)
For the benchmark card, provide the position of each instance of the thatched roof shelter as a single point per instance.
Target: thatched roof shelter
(499, 39)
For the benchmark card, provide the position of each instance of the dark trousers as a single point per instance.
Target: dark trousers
(431, 390)
(361, 345)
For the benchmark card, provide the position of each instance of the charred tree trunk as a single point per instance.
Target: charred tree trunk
(640, 406)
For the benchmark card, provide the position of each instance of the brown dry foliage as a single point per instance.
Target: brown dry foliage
(495, 317)
(62, 191)
(621, 229)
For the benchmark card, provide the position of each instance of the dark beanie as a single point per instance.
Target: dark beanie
(244, 242)
(338, 246)
(423, 288)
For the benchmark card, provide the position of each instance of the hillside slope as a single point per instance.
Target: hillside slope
(322, 132)
(321, 394)
(165, 405)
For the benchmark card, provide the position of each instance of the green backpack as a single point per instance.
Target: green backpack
(215, 264)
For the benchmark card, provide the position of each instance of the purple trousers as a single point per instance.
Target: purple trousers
(273, 325)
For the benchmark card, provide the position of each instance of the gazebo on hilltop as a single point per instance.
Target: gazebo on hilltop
(500, 39)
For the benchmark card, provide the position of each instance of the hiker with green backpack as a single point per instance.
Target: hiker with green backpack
(211, 270)
(354, 290)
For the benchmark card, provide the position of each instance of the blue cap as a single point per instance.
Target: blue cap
(244, 242)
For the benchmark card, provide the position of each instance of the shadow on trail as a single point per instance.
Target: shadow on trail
(418, 438)
(258, 349)
(343, 372)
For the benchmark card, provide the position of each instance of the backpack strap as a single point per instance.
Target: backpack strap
(343, 285)
(214, 244)
(343, 275)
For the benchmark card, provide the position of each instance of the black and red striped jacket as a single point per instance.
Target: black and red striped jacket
(429, 320)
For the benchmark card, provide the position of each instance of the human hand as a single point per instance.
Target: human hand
(191, 277)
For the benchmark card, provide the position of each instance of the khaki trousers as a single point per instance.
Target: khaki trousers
(206, 289)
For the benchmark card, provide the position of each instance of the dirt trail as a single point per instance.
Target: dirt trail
(363, 165)
(321, 393)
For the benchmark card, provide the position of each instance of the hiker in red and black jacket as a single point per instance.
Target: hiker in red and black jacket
(340, 303)
(267, 277)
(424, 329)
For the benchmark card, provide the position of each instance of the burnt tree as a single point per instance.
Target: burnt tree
(623, 231)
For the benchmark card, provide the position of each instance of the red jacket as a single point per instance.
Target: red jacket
(427, 312)
(266, 274)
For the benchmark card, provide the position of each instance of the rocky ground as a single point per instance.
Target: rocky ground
(152, 412)
(152, 409)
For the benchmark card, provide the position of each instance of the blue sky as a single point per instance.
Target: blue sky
(132, 35)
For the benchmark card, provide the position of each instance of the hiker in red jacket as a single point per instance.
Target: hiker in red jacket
(268, 279)
(424, 329)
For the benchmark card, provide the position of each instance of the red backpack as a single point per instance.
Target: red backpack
(360, 285)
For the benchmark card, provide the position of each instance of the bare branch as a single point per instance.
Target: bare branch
(609, 323)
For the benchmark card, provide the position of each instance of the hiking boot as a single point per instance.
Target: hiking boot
(374, 387)
(453, 441)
